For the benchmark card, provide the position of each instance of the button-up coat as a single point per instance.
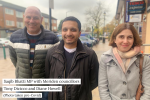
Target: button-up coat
(114, 84)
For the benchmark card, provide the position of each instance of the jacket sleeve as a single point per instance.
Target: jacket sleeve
(94, 71)
(146, 79)
(12, 53)
(103, 81)
(47, 65)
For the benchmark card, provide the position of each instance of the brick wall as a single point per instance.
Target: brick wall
(1, 17)
(11, 18)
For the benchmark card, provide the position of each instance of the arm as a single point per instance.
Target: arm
(103, 81)
(47, 65)
(12, 52)
(94, 71)
(146, 79)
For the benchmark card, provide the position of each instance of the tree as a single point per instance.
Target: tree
(109, 28)
(59, 27)
(95, 17)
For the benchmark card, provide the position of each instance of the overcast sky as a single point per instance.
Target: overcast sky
(75, 7)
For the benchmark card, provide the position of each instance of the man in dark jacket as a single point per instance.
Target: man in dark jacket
(71, 59)
(28, 46)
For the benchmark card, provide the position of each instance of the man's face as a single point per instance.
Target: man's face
(33, 20)
(70, 32)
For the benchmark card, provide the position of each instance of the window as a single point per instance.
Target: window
(54, 21)
(20, 24)
(54, 28)
(9, 11)
(47, 27)
(19, 14)
(46, 20)
(9, 23)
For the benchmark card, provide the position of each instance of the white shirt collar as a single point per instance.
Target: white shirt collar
(35, 34)
(70, 50)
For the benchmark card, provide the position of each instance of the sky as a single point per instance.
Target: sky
(74, 8)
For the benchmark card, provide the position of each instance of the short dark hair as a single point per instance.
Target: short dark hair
(119, 29)
(71, 18)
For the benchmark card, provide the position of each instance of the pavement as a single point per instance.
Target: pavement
(7, 70)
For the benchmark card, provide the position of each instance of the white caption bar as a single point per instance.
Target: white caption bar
(32, 88)
(21, 95)
(42, 81)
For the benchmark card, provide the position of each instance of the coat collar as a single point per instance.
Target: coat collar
(110, 56)
(24, 33)
(60, 49)
(110, 53)
(80, 47)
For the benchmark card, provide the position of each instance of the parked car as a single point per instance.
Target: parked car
(59, 36)
(86, 41)
(90, 37)
(4, 41)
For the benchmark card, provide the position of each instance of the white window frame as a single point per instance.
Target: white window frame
(19, 14)
(20, 24)
(46, 20)
(54, 21)
(9, 11)
(54, 28)
(9, 23)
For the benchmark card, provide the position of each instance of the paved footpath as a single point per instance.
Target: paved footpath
(7, 70)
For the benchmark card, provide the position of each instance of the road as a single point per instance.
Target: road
(7, 70)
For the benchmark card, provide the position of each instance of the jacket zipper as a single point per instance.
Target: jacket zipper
(29, 58)
(73, 63)
(69, 70)
(64, 72)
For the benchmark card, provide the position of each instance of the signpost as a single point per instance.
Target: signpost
(148, 6)
(51, 6)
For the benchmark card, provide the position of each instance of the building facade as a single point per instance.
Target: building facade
(128, 12)
(11, 19)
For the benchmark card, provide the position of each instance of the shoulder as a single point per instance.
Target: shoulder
(107, 56)
(52, 49)
(146, 62)
(89, 50)
(147, 58)
(50, 36)
(17, 34)
(49, 33)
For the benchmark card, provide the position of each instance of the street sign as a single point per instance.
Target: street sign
(51, 4)
(137, 7)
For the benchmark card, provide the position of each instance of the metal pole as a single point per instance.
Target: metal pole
(66, 14)
(104, 29)
(92, 35)
(4, 52)
(50, 20)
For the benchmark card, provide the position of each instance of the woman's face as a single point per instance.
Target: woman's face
(124, 40)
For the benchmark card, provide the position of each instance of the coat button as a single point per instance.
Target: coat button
(123, 94)
(128, 71)
(124, 83)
